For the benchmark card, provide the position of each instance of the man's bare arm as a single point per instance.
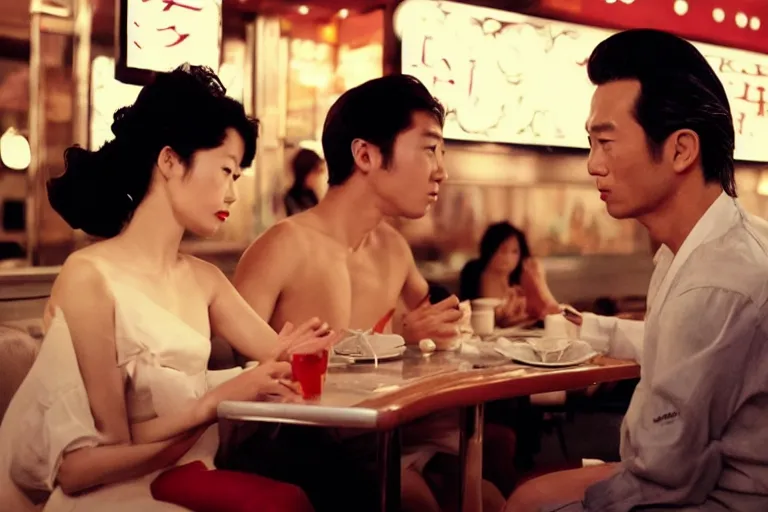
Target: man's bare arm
(266, 266)
(416, 288)
(421, 319)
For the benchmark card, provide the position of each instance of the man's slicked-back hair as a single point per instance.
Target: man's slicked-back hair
(679, 90)
(376, 111)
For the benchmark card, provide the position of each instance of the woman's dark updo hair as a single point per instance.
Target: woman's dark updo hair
(493, 238)
(186, 110)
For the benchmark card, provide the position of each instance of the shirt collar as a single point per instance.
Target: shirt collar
(716, 220)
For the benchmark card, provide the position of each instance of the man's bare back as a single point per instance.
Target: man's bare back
(298, 270)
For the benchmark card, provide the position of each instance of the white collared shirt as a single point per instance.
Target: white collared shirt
(623, 338)
(694, 435)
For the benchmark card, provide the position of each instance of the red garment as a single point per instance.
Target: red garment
(195, 487)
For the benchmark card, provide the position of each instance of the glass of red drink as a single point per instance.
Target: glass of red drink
(309, 371)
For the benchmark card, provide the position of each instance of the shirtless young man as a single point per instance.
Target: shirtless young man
(384, 150)
(341, 260)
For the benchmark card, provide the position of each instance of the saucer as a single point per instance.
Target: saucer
(572, 353)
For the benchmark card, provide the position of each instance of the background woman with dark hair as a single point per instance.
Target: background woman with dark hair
(507, 271)
(308, 173)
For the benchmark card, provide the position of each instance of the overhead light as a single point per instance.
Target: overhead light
(303, 10)
(754, 23)
(14, 150)
(610, 1)
(343, 13)
(680, 7)
(741, 20)
(718, 15)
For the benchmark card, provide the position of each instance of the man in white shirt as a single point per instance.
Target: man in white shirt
(662, 140)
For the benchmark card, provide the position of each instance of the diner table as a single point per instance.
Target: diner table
(385, 397)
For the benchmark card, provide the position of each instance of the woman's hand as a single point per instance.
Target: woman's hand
(271, 379)
(540, 301)
(513, 310)
(309, 337)
(533, 268)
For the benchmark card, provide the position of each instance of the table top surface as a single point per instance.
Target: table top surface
(393, 393)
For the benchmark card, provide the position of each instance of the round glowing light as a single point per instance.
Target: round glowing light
(718, 15)
(610, 1)
(343, 13)
(303, 10)
(680, 7)
(754, 23)
(14, 150)
(741, 20)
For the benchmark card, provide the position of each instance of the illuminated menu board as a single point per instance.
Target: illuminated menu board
(506, 77)
(159, 35)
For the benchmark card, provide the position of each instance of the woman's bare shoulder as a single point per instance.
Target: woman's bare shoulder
(81, 277)
(82, 268)
(208, 276)
(87, 259)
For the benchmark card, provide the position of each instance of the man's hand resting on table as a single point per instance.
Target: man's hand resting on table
(438, 322)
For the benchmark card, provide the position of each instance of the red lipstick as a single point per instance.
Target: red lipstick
(222, 215)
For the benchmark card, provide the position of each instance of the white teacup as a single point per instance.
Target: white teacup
(485, 303)
(483, 321)
(557, 326)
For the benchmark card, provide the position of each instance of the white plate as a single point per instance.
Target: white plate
(388, 356)
(515, 332)
(359, 342)
(577, 353)
(339, 361)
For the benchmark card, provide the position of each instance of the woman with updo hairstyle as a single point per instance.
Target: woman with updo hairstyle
(118, 412)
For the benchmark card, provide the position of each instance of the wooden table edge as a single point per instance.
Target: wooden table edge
(433, 393)
(460, 389)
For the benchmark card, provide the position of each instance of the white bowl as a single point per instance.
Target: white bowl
(550, 349)
(364, 344)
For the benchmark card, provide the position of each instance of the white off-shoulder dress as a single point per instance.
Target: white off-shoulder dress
(163, 362)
